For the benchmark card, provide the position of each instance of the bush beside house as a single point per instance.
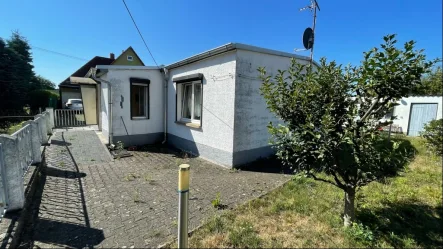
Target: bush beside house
(433, 133)
(41, 99)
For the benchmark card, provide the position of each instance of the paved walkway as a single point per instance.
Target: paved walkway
(87, 200)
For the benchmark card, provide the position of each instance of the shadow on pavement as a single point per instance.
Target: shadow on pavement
(59, 143)
(59, 216)
(63, 173)
(267, 165)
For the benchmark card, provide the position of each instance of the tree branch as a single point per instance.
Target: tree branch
(339, 184)
(322, 180)
(369, 111)
(383, 103)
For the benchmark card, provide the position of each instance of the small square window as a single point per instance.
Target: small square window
(130, 58)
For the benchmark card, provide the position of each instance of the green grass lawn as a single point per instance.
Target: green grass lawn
(12, 128)
(405, 211)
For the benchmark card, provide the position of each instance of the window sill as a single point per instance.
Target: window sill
(189, 124)
(139, 118)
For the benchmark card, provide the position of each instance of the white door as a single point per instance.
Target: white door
(421, 114)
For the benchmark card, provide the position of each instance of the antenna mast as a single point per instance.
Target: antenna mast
(312, 7)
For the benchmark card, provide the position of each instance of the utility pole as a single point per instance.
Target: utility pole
(312, 7)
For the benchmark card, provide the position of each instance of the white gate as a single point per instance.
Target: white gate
(69, 118)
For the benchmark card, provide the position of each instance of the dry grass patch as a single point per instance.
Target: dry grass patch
(404, 211)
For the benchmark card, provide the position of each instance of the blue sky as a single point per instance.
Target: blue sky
(175, 29)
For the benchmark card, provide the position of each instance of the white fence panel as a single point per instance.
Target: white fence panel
(17, 152)
(69, 118)
(24, 147)
(3, 189)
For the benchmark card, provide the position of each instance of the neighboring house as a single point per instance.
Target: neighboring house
(80, 86)
(71, 90)
(414, 112)
(212, 106)
(128, 57)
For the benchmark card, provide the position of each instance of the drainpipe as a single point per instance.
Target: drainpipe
(111, 133)
(165, 81)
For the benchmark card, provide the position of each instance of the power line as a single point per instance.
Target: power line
(57, 53)
(129, 12)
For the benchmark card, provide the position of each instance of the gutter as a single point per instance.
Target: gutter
(165, 105)
(93, 75)
(124, 67)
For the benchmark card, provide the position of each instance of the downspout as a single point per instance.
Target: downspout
(165, 82)
(109, 103)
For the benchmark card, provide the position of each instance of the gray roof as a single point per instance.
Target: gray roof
(233, 46)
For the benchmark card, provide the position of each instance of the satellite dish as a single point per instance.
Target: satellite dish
(308, 38)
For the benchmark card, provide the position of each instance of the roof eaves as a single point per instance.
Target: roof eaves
(126, 67)
(233, 46)
(273, 52)
(209, 53)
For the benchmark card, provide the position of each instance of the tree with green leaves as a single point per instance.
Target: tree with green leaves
(17, 78)
(11, 87)
(20, 45)
(41, 83)
(331, 116)
(431, 84)
(16, 74)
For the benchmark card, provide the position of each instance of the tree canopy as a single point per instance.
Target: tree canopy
(41, 83)
(17, 77)
(331, 115)
(432, 83)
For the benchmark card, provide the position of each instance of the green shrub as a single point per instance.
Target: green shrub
(216, 225)
(433, 133)
(42, 98)
(360, 233)
(216, 203)
(244, 235)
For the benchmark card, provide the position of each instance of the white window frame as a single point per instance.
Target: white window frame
(146, 100)
(130, 58)
(192, 119)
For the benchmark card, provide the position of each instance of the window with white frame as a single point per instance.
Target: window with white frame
(130, 58)
(139, 99)
(191, 102)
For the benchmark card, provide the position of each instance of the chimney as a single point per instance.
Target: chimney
(112, 56)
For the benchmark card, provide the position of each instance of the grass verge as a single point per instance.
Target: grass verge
(12, 128)
(405, 211)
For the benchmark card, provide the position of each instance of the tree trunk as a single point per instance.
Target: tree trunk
(349, 214)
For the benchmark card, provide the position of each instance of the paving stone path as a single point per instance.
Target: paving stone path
(86, 200)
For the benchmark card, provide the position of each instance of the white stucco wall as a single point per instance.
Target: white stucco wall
(402, 111)
(104, 108)
(121, 88)
(218, 104)
(251, 113)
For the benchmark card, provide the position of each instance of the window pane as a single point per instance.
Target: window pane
(187, 101)
(197, 101)
(138, 100)
(141, 104)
